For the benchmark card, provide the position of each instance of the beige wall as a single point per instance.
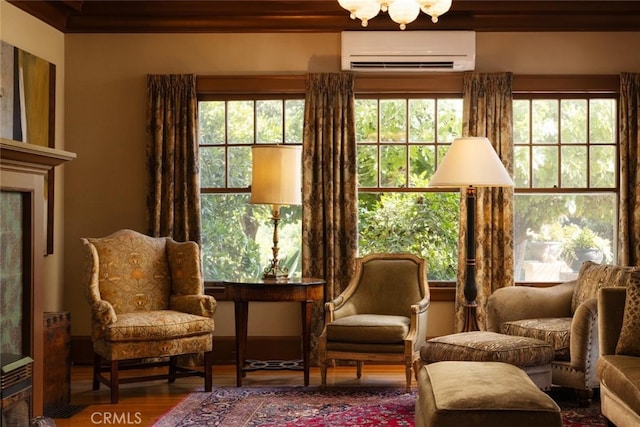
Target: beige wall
(32, 35)
(106, 127)
(105, 107)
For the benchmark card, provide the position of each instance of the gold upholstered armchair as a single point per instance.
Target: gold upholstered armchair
(565, 316)
(381, 316)
(147, 305)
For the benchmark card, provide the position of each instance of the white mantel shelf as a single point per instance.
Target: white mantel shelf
(20, 155)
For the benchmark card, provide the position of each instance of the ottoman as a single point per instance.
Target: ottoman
(531, 355)
(481, 394)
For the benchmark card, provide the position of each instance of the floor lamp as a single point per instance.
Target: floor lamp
(471, 162)
(276, 181)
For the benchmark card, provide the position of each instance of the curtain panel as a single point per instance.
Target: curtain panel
(329, 181)
(487, 111)
(173, 200)
(629, 206)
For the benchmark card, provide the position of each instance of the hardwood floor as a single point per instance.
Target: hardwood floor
(142, 403)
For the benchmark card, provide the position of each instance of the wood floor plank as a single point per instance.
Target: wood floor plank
(142, 403)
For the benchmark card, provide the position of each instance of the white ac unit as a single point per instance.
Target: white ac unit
(402, 51)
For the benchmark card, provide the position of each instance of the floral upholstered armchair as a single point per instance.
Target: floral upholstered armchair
(147, 302)
(381, 316)
(565, 316)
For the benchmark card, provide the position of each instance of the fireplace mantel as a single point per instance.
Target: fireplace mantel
(24, 169)
(24, 157)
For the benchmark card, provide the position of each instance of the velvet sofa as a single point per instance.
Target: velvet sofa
(619, 364)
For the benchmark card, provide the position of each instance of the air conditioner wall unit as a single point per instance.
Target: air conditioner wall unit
(408, 51)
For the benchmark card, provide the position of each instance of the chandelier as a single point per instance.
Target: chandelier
(402, 12)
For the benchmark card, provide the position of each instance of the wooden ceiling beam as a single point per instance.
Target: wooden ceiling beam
(99, 16)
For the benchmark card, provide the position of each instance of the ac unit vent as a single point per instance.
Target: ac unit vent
(421, 51)
(357, 65)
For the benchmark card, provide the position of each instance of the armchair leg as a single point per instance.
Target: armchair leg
(208, 371)
(584, 397)
(359, 364)
(323, 373)
(115, 385)
(97, 364)
(173, 363)
(408, 376)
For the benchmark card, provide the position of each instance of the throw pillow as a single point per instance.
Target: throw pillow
(628, 343)
(594, 276)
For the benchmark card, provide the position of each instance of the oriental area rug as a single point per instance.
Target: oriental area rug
(317, 407)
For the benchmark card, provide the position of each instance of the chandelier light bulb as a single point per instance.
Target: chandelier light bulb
(435, 8)
(367, 10)
(351, 6)
(384, 4)
(404, 12)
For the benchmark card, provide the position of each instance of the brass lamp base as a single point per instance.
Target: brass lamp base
(275, 271)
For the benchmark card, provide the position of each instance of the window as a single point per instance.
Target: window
(565, 152)
(236, 236)
(400, 142)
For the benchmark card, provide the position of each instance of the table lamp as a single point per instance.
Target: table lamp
(276, 181)
(471, 162)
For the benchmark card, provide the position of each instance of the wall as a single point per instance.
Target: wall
(106, 107)
(32, 35)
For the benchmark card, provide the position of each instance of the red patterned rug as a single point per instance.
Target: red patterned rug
(313, 406)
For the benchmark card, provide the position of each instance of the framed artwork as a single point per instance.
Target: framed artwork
(27, 110)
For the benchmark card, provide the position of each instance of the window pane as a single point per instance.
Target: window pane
(574, 167)
(269, 116)
(602, 160)
(422, 165)
(521, 116)
(240, 246)
(367, 165)
(212, 167)
(393, 166)
(393, 120)
(240, 122)
(424, 224)
(574, 121)
(544, 117)
(294, 119)
(555, 233)
(449, 119)
(602, 121)
(522, 160)
(422, 120)
(211, 122)
(545, 167)
(239, 167)
(366, 120)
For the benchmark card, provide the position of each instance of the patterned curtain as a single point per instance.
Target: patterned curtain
(329, 194)
(173, 200)
(488, 112)
(629, 213)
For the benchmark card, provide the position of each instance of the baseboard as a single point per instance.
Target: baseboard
(224, 349)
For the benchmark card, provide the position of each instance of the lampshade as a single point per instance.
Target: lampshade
(277, 175)
(471, 161)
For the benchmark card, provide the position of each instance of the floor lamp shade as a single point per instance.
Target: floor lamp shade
(471, 162)
(277, 175)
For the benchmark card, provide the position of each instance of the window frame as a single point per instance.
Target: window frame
(211, 87)
(588, 87)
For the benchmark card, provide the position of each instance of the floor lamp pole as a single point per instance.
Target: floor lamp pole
(470, 288)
